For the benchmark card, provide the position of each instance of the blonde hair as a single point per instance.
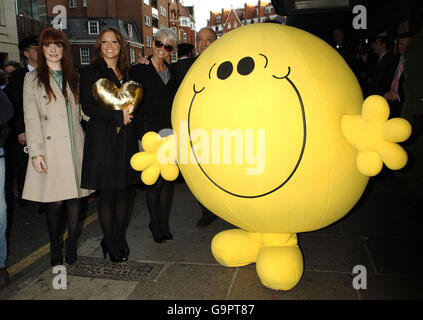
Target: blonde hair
(167, 33)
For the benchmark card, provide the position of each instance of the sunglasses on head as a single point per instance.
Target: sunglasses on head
(160, 44)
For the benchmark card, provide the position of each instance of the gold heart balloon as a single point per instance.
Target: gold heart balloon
(109, 96)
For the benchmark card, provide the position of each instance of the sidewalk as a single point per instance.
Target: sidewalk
(375, 234)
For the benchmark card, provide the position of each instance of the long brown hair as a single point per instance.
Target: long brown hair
(123, 61)
(70, 76)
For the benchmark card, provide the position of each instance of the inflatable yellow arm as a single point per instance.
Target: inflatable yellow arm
(158, 158)
(375, 137)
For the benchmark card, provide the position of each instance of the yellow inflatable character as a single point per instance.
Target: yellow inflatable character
(273, 136)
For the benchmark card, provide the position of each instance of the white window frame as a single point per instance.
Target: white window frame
(185, 37)
(130, 31)
(97, 27)
(218, 19)
(73, 4)
(84, 3)
(132, 55)
(147, 2)
(84, 55)
(163, 11)
(147, 21)
(148, 41)
(235, 25)
(268, 10)
(229, 25)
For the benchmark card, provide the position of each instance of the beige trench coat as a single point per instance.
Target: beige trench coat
(47, 134)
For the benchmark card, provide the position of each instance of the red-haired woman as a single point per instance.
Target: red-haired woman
(107, 153)
(55, 140)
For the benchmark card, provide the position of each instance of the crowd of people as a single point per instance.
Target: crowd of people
(60, 145)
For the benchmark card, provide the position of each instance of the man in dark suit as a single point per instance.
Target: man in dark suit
(381, 79)
(205, 37)
(395, 95)
(17, 158)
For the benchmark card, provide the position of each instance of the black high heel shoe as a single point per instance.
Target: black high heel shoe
(112, 258)
(158, 240)
(125, 253)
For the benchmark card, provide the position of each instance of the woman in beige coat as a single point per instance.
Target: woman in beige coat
(55, 140)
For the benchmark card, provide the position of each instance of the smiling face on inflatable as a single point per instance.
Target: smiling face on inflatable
(258, 118)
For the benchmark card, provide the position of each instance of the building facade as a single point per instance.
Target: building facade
(86, 18)
(229, 19)
(186, 32)
(8, 32)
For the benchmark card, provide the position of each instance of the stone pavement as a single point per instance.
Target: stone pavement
(378, 234)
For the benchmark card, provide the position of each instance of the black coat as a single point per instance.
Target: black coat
(181, 68)
(15, 93)
(107, 154)
(156, 106)
(381, 80)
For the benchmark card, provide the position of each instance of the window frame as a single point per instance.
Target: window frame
(81, 55)
(97, 27)
(73, 4)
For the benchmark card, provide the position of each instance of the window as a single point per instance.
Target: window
(147, 2)
(163, 11)
(229, 25)
(93, 27)
(85, 55)
(130, 30)
(218, 19)
(235, 25)
(84, 3)
(73, 4)
(148, 41)
(185, 37)
(132, 55)
(268, 10)
(147, 21)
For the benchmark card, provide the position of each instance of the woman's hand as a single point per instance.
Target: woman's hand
(127, 118)
(39, 164)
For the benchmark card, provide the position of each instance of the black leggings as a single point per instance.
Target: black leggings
(53, 216)
(114, 212)
(159, 203)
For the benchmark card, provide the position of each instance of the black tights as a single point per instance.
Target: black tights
(53, 215)
(114, 212)
(159, 203)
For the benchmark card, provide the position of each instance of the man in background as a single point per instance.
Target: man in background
(17, 159)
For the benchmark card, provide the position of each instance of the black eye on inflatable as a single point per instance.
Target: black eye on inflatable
(245, 66)
(225, 70)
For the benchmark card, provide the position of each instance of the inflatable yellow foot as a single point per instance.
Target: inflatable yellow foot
(279, 262)
(236, 247)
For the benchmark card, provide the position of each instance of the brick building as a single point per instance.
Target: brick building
(186, 32)
(86, 18)
(229, 19)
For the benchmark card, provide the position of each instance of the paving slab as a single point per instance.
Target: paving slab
(312, 286)
(380, 287)
(78, 288)
(333, 253)
(397, 255)
(187, 282)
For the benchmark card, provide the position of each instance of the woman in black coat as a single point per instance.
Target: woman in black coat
(158, 81)
(107, 153)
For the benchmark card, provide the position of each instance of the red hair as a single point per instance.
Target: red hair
(70, 76)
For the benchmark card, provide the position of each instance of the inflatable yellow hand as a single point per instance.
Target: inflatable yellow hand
(158, 158)
(375, 137)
